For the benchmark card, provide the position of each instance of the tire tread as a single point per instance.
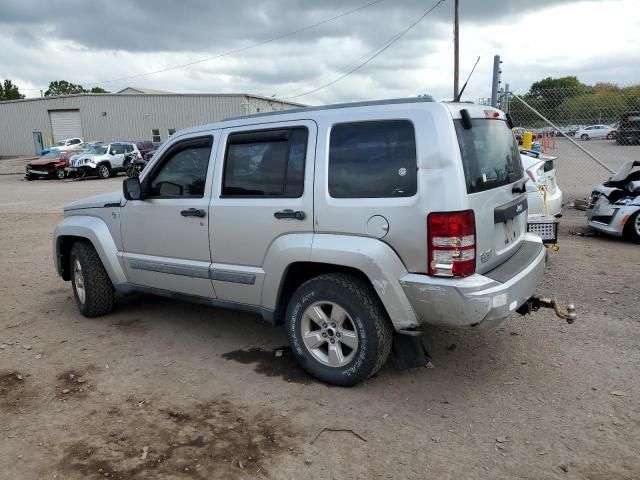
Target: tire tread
(99, 298)
(372, 304)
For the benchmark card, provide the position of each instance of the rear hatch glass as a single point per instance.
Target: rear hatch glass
(490, 154)
(492, 164)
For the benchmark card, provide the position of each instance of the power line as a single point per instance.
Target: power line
(378, 51)
(241, 49)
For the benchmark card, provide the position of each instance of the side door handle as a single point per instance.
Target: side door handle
(288, 213)
(193, 212)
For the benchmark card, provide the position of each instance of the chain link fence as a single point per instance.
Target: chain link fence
(581, 126)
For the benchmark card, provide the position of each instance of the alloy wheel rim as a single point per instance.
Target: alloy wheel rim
(60, 174)
(637, 225)
(105, 171)
(78, 280)
(329, 334)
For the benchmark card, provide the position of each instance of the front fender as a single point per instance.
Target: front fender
(96, 231)
(378, 262)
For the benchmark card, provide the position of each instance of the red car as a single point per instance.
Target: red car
(51, 165)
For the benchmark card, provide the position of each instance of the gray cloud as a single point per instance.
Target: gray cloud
(86, 42)
(197, 25)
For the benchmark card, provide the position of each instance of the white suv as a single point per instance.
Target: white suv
(102, 160)
(67, 144)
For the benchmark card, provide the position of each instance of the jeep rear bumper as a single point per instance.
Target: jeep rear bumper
(480, 300)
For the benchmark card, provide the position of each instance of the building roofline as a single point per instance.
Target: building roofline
(162, 95)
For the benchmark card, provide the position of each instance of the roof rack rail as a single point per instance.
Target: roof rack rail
(367, 103)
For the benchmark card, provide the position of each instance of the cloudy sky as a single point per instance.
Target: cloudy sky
(93, 42)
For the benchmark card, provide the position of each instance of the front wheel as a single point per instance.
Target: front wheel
(584, 136)
(60, 174)
(104, 171)
(92, 287)
(632, 227)
(610, 136)
(338, 329)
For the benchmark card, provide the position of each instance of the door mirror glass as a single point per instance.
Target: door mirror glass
(132, 189)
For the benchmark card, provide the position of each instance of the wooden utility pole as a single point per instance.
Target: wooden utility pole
(456, 50)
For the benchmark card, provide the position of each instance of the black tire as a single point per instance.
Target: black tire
(632, 228)
(98, 289)
(584, 136)
(366, 314)
(104, 171)
(60, 174)
(610, 136)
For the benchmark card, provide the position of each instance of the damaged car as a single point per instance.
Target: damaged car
(614, 207)
(51, 165)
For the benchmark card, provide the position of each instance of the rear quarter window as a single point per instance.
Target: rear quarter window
(375, 159)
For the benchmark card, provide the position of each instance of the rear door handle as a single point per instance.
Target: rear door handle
(288, 213)
(193, 212)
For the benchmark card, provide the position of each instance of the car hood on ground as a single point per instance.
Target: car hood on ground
(624, 172)
(97, 201)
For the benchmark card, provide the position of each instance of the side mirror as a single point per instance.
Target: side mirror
(132, 189)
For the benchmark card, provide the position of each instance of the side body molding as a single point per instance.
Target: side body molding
(96, 231)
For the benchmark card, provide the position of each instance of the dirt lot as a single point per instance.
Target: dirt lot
(164, 389)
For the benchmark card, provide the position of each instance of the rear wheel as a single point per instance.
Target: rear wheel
(60, 174)
(610, 136)
(92, 287)
(584, 136)
(632, 227)
(338, 329)
(104, 171)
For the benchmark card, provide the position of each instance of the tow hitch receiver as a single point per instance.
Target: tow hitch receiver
(536, 303)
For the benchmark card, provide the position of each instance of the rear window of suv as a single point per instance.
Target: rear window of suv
(490, 154)
(375, 159)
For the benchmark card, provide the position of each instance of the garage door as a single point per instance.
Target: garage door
(65, 124)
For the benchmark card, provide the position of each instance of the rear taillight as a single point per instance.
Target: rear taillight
(452, 243)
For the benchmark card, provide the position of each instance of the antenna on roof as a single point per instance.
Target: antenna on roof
(457, 99)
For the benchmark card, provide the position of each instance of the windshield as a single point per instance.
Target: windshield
(97, 150)
(51, 155)
(490, 154)
(59, 144)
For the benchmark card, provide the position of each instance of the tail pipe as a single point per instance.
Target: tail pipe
(536, 303)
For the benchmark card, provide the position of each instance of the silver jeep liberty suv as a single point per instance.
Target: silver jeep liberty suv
(352, 224)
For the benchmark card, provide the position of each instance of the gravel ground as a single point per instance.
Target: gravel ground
(163, 389)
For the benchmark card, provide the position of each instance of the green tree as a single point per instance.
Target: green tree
(9, 91)
(62, 87)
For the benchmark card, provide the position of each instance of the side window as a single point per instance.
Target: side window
(128, 148)
(183, 170)
(374, 159)
(75, 141)
(155, 135)
(117, 149)
(265, 163)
